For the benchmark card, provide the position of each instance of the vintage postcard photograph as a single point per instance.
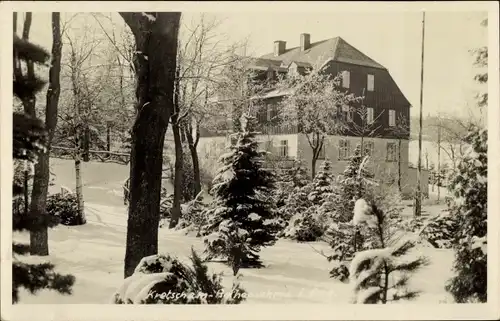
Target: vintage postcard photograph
(250, 160)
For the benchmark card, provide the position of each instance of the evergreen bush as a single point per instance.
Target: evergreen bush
(65, 208)
(469, 186)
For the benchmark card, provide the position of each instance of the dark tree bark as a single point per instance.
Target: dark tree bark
(179, 159)
(178, 168)
(29, 102)
(155, 62)
(86, 143)
(316, 146)
(193, 144)
(39, 239)
(108, 136)
(399, 166)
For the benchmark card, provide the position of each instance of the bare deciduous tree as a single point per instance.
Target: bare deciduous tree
(312, 104)
(200, 61)
(39, 239)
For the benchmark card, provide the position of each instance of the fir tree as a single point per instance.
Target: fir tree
(28, 142)
(242, 220)
(298, 174)
(352, 184)
(312, 217)
(290, 178)
(469, 186)
(322, 184)
(381, 274)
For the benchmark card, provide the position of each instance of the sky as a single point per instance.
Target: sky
(391, 38)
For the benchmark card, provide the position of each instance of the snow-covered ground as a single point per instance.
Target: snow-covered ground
(94, 253)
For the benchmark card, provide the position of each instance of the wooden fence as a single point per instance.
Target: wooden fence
(94, 155)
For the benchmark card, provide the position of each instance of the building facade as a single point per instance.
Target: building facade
(386, 110)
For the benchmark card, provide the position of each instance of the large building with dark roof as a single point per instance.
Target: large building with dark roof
(388, 108)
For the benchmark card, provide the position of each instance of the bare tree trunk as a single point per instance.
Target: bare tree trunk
(26, 192)
(192, 144)
(79, 189)
(196, 169)
(316, 146)
(86, 143)
(313, 164)
(439, 164)
(155, 62)
(176, 205)
(399, 166)
(108, 137)
(39, 239)
(179, 157)
(79, 146)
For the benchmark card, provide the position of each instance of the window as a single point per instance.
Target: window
(369, 115)
(346, 113)
(269, 113)
(391, 152)
(343, 149)
(369, 148)
(370, 86)
(346, 75)
(392, 117)
(283, 148)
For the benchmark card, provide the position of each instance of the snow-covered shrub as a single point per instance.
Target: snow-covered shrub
(166, 202)
(381, 274)
(64, 207)
(311, 207)
(291, 191)
(440, 230)
(194, 215)
(321, 185)
(305, 226)
(241, 218)
(469, 187)
(296, 203)
(163, 279)
(355, 182)
(345, 240)
(206, 178)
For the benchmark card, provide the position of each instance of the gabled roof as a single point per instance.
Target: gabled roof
(336, 49)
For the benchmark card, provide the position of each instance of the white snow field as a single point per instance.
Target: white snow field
(94, 253)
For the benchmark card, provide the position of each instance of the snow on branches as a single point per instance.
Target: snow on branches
(241, 218)
(163, 279)
(381, 274)
(469, 185)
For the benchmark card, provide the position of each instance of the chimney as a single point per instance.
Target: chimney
(305, 41)
(279, 47)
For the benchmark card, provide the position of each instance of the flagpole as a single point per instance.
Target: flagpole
(418, 193)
